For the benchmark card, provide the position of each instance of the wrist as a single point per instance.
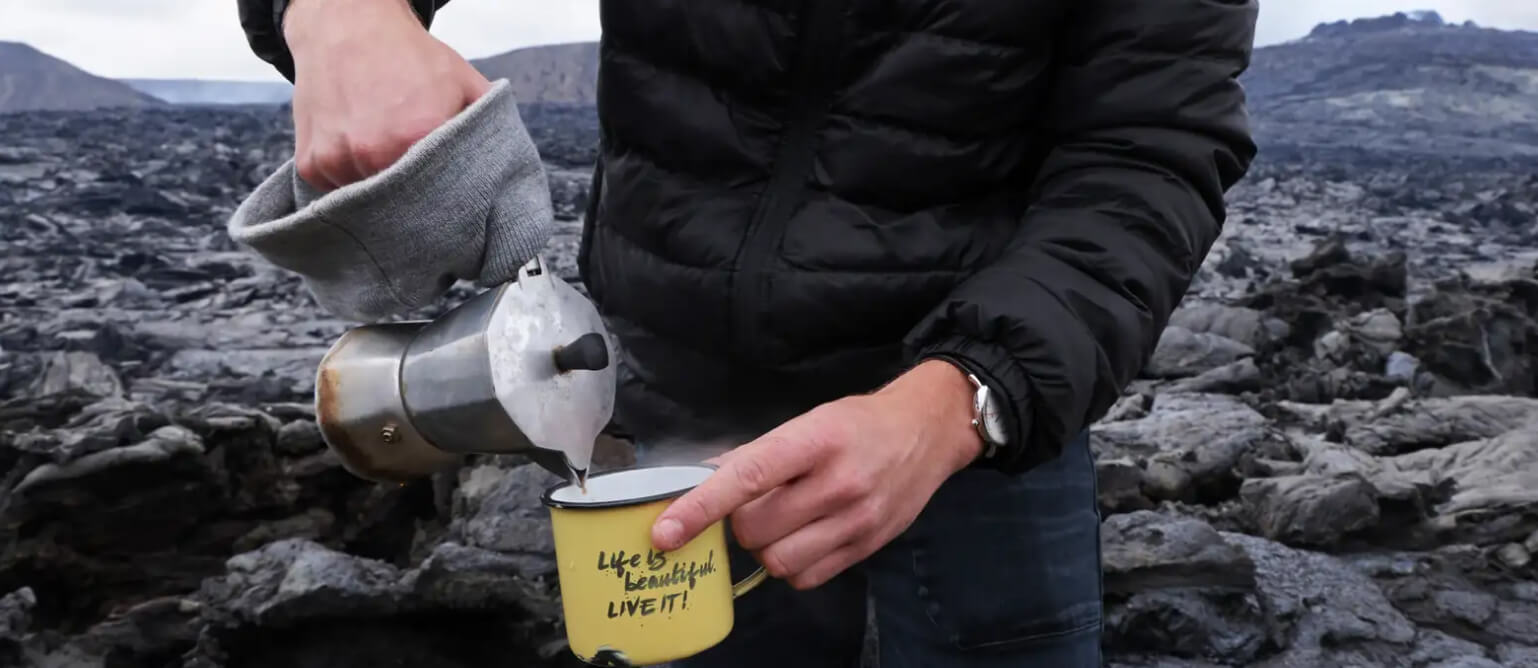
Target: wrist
(938, 396)
(306, 23)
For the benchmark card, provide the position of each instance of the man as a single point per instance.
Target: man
(813, 225)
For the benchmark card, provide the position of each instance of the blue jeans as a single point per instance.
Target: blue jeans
(996, 571)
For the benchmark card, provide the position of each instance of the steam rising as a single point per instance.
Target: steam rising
(676, 450)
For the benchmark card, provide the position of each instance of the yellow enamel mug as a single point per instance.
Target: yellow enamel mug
(625, 602)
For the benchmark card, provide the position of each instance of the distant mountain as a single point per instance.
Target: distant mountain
(214, 91)
(33, 80)
(557, 73)
(563, 73)
(1407, 81)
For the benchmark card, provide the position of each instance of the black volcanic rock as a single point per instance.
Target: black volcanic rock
(1311, 511)
(15, 618)
(567, 134)
(288, 602)
(1189, 447)
(1480, 337)
(1176, 586)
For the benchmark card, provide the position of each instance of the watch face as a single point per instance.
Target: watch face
(988, 411)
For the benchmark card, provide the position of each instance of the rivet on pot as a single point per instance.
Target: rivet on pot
(388, 433)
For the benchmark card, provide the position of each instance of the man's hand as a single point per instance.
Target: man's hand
(369, 81)
(830, 487)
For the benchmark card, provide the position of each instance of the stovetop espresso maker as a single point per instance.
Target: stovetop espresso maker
(523, 368)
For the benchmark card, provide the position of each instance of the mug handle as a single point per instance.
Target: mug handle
(748, 583)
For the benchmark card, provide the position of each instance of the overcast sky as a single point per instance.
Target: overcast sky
(202, 38)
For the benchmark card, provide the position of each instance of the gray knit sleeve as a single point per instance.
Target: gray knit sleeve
(468, 202)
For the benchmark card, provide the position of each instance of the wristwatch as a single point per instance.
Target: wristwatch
(987, 417)
(987, 413)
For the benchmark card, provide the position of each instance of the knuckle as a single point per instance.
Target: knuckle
(776, 563)
(340, 147)
(750, 473)
(840, 431)
(327, 160)
(373, 157)
(780, 443)
(806, 581)
(698, 508)
(375, 153)
(851, 486)
(307, 168)
(691, 510)
(833, 425)
(310, 162)
(867, 516)
(748, 535)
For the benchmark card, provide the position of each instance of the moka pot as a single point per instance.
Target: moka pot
(522, 368)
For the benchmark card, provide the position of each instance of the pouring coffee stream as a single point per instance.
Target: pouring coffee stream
(523, 368)
(589, 352)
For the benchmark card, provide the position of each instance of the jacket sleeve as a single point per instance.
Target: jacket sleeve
(262, 22)
(1150, 130)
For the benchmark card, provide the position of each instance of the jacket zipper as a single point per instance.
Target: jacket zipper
(814, 75)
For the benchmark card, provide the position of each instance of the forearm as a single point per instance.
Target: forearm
(266, 24)
(1150, 130)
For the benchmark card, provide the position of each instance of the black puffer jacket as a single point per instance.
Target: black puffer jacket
(799, 199)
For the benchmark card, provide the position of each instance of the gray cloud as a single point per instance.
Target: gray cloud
(201, 38)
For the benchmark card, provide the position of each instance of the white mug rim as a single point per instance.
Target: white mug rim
(549, 498)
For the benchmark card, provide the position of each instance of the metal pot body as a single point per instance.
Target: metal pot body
(360, 411)
(522, 368)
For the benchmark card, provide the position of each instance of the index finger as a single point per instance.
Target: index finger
(748, 473)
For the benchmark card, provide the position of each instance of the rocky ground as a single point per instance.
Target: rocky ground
(1331, 461)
